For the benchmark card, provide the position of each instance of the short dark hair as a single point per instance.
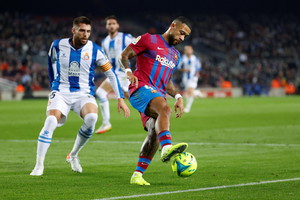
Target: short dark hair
(82, 20)
(184, 20)
(111, 17)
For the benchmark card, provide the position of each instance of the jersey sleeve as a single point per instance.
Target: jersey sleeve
(52, 57)
(101, 58)
(140, 43)
(180, 65)
(128, 39)
(179, 62)
(115, 83)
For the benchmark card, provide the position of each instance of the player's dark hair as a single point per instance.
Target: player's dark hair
(184, 20)
(82, 20)
(111, 17)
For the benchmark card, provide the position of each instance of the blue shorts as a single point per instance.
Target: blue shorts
(142, 96)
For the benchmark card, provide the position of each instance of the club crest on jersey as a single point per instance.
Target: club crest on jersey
(164, 61)
(175, 57)
(74, 69)
(86, 56)
(136, 40)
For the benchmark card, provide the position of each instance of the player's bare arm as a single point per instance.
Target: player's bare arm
(178, 106)
(122, 105)
(107, 70)
(126, 55)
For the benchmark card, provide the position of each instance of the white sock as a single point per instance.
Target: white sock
(104, 107)
(84, 133)
(103, 104)
(45, 139)
(189, 102)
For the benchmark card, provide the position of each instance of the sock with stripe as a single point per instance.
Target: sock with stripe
(45, 139)
(165, 139)
(143, 164)
(84, 134)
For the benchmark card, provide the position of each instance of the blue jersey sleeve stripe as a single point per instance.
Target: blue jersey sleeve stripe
(50, 71)
(56, 81)
(92, 69)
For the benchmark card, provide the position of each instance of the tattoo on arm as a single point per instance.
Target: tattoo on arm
(171, 90)
(127, 54)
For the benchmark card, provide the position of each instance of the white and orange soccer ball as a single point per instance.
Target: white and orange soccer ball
(184, 164)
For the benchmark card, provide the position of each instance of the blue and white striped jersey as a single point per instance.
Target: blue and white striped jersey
(113, 47)
(193, 64)
(72, 70)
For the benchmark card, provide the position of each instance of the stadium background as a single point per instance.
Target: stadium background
(246, 148)
(253, 44)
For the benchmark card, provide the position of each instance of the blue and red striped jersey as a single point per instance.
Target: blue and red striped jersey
(155, 63)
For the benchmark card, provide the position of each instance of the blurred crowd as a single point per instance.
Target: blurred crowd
(251, 51)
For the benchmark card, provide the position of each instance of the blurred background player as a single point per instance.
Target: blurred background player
(72, 63)
(156, 61)
(113, 45)
(190, 66)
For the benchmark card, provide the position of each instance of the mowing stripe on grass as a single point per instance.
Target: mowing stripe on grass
(201, 189)
(190, 143)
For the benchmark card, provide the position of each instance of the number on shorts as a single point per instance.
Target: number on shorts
(52, 94)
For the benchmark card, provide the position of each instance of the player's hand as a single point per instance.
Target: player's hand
(179, 107)
(122, 105)
(133, 79)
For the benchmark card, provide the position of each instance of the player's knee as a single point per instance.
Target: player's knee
(166, 110)
(101, 94)
(90, 119)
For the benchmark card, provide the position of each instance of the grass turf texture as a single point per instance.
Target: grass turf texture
(229, 137)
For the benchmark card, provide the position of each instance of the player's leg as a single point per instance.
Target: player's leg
(44, 141)
(189, 99)
(89, 113)
(102, 92)
(147, 152)
(57, 110)
(159, 109)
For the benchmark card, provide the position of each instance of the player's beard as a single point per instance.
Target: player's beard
(172, 40)
(79, 42)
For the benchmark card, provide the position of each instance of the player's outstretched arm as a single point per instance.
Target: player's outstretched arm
(122, 105)
(179, 105)
(123, 60)
(107, 70)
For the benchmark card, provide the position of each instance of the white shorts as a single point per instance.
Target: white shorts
(124, 82)
(64, 102)
(190, 83)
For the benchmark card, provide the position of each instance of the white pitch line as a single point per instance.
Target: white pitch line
(200, 189)
(190, 143)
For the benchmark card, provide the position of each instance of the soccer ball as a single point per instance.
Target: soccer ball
(184, 164)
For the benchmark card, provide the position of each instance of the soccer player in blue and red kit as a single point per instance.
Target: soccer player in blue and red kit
(156, 61)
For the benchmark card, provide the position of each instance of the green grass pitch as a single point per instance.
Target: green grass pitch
(235, 140)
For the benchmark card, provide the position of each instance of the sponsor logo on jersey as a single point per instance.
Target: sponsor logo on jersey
(74, 69)
(164, 61)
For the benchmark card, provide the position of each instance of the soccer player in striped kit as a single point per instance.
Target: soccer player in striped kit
(190, 66)
(156, 61)
(72, 62)
(113, 45)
